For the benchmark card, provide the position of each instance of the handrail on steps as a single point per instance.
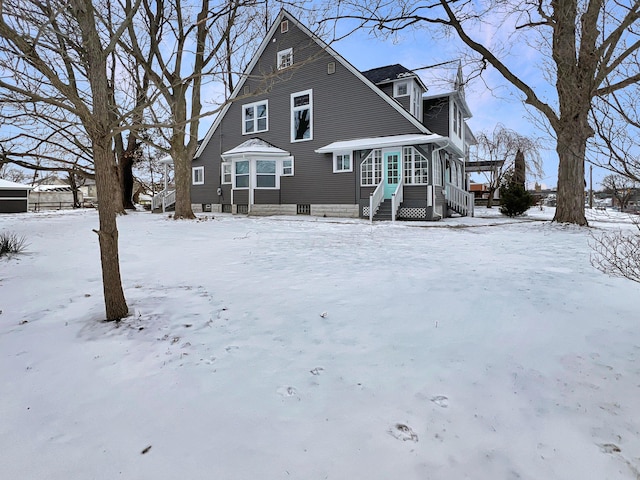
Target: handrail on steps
(459, 199)
(396, 199)
(375, 199)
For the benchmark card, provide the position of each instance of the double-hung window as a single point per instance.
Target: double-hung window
(197, 175)
(255, 117)
(265, 174)
(285, 58)
(287, 167)
(302, 116)
(226, 173)
(342, 162)
(241, 177)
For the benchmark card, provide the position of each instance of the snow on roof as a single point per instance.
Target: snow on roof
(7, 185)
(255, 145)
(52, 188)
(381, 142)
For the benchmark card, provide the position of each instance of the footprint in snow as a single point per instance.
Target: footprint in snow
(287, 391)
(403, 432)
(610, 448)
(441, 401)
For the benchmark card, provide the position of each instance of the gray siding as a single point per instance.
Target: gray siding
(13, 201)
(436, 115)
(343, 108)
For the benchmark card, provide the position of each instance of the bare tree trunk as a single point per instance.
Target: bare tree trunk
(492, 192)
(100, 132)
(181, 161)
(125, 167)
(108, 207)
(571, 151)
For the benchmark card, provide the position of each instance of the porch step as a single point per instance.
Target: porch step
(384, 211)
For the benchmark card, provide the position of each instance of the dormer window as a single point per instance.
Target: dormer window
(285, 58)
(401, 89)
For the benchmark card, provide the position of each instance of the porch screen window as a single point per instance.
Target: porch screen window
(437, 172)
(197, 175)
(416, 167)
(226, 173)
(371, 169)
(255, 118)
(265, 174)
(242, 174)
(302, 116)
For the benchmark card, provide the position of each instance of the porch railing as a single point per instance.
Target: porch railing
(396, 199)
(375, 199)
(163, 200)
(460, 200)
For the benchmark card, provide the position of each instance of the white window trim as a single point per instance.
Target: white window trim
(396, 87)
(194, 172)
(253, 171)
(284, 54)
(295, 109)
(335, 162)
(255, 118)
(222, 173)
(372, 154)
(233, 174)
(293, 168)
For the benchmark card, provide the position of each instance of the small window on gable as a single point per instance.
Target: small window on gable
(226, 173)
(197, 175)
(401, 89)
(342, 162)
(331, 68)
(285, 58)
(284, 26)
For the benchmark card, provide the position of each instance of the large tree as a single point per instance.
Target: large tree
(587, 51)
(57, 52)
(176, 42)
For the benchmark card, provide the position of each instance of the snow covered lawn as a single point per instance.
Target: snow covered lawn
(310, 348)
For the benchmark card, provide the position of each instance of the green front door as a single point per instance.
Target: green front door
(391, 173)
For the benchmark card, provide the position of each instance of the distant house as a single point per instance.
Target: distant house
(307, 133)
(53, 197)
(14, 197)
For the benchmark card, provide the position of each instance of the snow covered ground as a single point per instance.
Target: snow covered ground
(311, 348)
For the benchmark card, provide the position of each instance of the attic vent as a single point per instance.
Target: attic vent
(331, 68)
(284, 26)
(246, 90)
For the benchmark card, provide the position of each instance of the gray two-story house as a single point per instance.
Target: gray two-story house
(307, 133)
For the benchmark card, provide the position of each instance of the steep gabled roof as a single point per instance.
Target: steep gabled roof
(391, 73)
(388, 73)
(276, 24)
